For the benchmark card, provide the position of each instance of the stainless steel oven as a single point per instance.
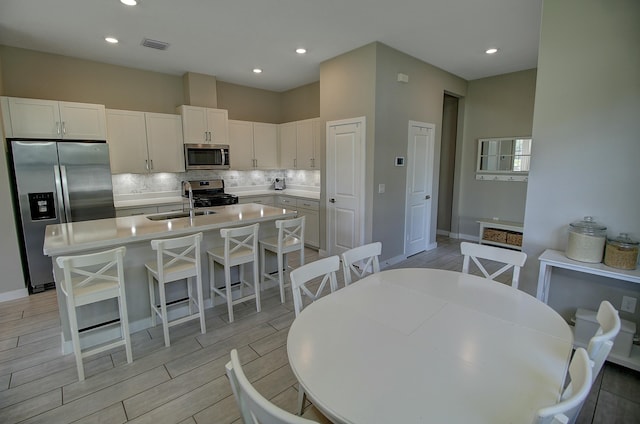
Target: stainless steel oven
(206, 156)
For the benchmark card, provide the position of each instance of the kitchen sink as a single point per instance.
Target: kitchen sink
(173, 215)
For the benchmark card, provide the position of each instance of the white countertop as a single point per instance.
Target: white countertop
(77, 237)
(166, 198)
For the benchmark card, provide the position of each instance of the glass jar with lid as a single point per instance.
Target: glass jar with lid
(586, 240)
(621, 252)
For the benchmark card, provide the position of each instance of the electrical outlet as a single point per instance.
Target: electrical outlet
(628, 304)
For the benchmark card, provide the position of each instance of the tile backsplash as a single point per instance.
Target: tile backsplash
(124, 184)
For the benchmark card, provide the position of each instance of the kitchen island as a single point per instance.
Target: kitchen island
(135, 233)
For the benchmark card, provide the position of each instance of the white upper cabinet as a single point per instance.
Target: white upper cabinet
(265, 145)
(241, 144)
(287, 135)
(253, 145)
(50, 119)
(142, 142)
(203, 125)
(300, 144)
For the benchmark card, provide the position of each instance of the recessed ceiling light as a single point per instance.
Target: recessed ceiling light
(111, 40)
(301, 51)
(491, 51)
(257, 71)
(129, 2)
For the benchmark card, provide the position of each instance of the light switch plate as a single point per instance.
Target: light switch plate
(381, 188)
(628, 304)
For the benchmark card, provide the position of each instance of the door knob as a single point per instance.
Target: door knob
(427, 197)
(332, 200)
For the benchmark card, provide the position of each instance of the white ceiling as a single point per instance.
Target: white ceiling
(228, 38)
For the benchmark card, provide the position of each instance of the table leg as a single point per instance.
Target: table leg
(544, 281)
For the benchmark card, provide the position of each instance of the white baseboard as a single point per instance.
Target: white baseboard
(443, 233)
(14, 294)
(392, 261)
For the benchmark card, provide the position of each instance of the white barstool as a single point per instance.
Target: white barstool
(240, 247)
(290, 238)
(93, 278)
(177, 259)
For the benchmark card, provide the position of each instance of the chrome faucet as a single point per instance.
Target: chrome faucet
(187, 185)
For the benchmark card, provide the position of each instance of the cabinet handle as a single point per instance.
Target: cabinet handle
(295, 162)
(58, 127)
(64, 128)
(151, 163)
(146, 164)
(313, 162)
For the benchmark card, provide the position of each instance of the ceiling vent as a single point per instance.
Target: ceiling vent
(155, 44)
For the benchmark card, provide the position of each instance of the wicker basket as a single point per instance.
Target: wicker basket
(491, 234)
(514, 239)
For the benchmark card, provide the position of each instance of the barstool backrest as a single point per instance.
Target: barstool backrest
(178, 253)
(85, 273)
(239, 243)
(290, 231)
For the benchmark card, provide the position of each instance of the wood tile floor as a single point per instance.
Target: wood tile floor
(186, 382)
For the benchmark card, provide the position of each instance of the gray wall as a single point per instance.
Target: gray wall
(500, 106)
(586, 139)
(363, 82)
(396, 104)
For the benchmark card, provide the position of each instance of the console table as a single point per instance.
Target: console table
(557, 259)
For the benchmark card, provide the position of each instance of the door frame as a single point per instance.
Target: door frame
(362, 122)
(410, 163)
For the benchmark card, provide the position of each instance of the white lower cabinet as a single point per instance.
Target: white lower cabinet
(147, 210)
(311, 210)
(142, 142)
(263, 200)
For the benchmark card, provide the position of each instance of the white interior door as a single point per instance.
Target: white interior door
(345, 184)
(420, 154)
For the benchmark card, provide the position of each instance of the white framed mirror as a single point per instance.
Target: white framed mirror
(503, 157)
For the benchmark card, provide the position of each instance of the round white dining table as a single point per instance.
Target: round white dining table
(425, 345)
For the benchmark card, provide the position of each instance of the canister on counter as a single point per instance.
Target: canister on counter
(621, 252)
(586, 240)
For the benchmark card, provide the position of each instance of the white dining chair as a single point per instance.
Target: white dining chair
(290, 239)
(325, 268)
(361, 260)
(93, 278)
(601, 343)
(573, 397)
(240, 248)
(177, 259)
(255, 408)
(511, 258)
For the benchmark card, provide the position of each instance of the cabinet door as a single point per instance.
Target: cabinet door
(304, 144)
(143, 210)
(82, 121)
(241, 144)
(164, 141)
(194, 124)
(265, 145)
(318, 145)
(310, 209)
(127, 139)
(32, 118)
(287, 135)
(217, 126)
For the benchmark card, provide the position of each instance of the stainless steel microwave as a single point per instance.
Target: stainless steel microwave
(206, 156)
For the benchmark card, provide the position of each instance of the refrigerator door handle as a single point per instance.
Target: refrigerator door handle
(65, 192)
(56, 173)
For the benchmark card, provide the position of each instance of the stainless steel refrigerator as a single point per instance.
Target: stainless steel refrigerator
(56, 182)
